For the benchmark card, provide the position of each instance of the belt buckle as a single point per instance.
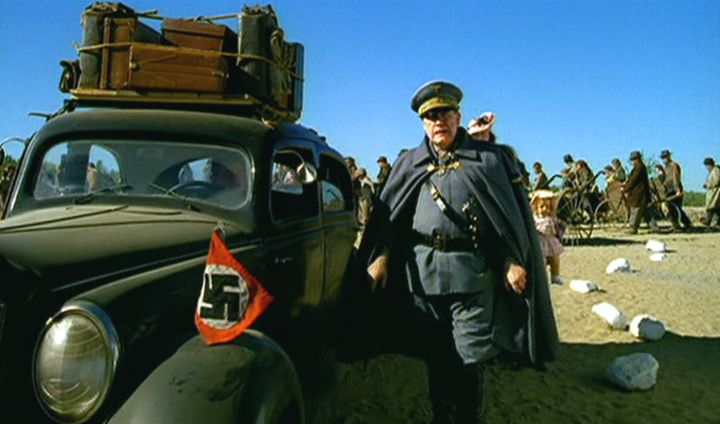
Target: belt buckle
(439, 241)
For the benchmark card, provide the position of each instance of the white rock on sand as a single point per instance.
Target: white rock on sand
(658, 257)
(633, 372)
(618, 265)
(583, 286)
(656, 246)
(611, 315)
(647, 328)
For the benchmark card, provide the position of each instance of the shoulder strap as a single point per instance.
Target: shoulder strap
(447, 209)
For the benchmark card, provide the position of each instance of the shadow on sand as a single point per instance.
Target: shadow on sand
(575, 390)
(392, 388)
(606, 241)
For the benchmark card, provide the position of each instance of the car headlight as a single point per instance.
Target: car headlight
(75, 361)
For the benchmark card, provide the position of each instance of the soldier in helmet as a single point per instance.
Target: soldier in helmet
(453, 234)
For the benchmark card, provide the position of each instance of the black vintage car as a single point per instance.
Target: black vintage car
(103, 247)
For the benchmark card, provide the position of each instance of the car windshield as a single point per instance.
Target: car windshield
(85, 169)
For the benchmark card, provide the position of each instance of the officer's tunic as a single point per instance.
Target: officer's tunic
(455, 287)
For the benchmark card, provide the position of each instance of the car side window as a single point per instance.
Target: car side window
(292, 196)
(336, 185)
(77, 168)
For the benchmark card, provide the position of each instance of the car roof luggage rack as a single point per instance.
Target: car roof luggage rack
(192, 63)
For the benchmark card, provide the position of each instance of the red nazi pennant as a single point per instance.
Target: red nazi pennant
(231, 298)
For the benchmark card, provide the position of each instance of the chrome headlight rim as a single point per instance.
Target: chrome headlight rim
(101, 320)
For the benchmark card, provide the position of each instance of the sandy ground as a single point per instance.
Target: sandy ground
(683, 291)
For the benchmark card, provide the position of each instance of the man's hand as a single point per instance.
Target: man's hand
(377, 271)
(516, 277)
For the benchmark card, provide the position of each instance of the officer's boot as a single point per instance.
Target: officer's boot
(469, 400)
(441, 387)
(443, 411)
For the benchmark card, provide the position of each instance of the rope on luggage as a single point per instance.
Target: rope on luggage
(241, 56)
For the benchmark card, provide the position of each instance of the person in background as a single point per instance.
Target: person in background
(675, 192)
(480, 129)
(660, 171)
(567, 180)
(550, 230)
(620, 173)
(569, 166)
(352, 168)
(712, 196)
(383, 173)
(610, 174)
(584, 176)
(637, 192)
(5, 182)
(367, 196)
(661, 177)
(91, 178)
(541, 178)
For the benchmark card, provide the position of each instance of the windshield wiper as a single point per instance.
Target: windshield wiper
(186, 201)
(88, 197)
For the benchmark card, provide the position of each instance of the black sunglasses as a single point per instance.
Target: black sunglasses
(439, 113)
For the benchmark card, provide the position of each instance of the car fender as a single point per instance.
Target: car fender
(248, 380)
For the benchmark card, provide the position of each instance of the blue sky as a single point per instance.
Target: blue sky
(593, 78)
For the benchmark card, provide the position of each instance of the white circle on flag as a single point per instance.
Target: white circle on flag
(227, 296)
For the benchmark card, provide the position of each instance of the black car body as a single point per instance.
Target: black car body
(103, 247)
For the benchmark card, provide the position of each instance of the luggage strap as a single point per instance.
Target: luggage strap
(241, 56)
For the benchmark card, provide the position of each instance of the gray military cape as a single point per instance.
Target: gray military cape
(527, 320)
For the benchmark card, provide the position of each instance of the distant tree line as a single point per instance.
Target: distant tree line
(694, 198)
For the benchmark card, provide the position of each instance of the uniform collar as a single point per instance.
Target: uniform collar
(464, 147)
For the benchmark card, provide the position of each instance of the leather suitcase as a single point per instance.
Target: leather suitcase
(279, 78)
(115, 59)
(200, 35)
(156, 67)
(93, 19)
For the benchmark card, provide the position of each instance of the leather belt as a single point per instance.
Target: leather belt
(441, 242)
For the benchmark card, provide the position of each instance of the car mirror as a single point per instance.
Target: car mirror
(306, 173)
(291, 168)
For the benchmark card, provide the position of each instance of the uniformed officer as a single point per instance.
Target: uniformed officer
(453, 226)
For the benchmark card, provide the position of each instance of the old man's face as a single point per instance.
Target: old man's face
(441, 126)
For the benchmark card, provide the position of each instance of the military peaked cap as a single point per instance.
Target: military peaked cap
(435, 95)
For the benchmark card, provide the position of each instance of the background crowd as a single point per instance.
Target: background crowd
(644, 183)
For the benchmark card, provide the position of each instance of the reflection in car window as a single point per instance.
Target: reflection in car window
(336, 185)
(332, 198)
(212, 174)
(284, 179)
(77, 169)
(290, 198)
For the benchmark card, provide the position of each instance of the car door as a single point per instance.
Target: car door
(338, 221)
(295, 248)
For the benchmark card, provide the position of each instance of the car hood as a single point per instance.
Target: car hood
(71, 243)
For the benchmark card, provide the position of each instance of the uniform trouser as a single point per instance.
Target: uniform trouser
(637, 213)
(455, 340)
(678, 214)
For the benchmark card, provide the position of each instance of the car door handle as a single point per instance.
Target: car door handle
(281, 261)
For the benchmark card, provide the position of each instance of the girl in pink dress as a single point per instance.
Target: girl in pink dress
(550, 230)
